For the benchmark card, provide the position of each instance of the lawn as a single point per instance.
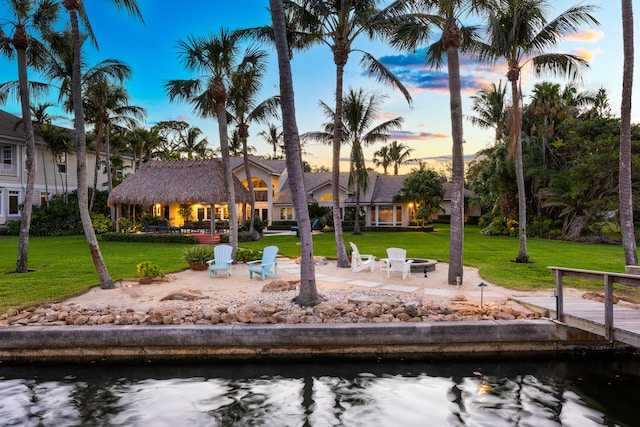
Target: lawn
(62, 265)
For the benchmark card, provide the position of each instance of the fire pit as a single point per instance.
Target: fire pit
(418, 265)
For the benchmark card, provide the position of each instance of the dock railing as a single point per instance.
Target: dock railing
(607, 278)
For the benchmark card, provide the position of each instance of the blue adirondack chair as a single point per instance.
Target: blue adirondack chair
(222, 260)
(268, 266)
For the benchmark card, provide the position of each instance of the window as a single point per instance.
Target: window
(8, 160)
(61, 161)
(389, 215)
(286, 214)
(260, 190)
(44, 197)
(14, 202)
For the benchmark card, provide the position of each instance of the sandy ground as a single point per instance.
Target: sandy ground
(238, 287)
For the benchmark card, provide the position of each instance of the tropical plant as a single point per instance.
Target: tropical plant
(625, 182)
(423, 188)
(246, 82)
(75, 8)
(37, 17)
(148, 270)
(490, 108)
(338, 24)
(308, 294)
(273, 136)
(399, 154)
(192, 146)
(520, 33)
(218, 57)
(197, 254)
(382, 158)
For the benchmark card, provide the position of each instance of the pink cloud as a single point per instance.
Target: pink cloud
(587, 54)
(589, 36)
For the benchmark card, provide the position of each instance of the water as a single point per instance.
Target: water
(577, 393)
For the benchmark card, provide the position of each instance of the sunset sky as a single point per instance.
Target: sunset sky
(150, 49)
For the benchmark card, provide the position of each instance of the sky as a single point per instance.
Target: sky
(151, 50)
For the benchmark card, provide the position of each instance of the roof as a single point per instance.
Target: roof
(177, 181)
(272, 166)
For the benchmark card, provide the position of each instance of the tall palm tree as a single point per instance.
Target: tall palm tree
(244, 109)
(77, 12)
(218, 57)
(273, 136)
(625, 187)
(446, 15)
(490, 108)
(399, 154)
(308, 291)
(338, 24)
(37, 17)
(520, 33)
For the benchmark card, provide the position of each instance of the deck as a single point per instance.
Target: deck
(588, 315)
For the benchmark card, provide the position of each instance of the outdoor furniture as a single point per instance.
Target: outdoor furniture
(268, 266)
(396, 262)
(148, 228)
(357, 261)
(221, 260)
(164, 227)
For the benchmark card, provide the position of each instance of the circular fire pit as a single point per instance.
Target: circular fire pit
(418, 265)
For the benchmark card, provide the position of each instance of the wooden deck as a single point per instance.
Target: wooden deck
(589, 315)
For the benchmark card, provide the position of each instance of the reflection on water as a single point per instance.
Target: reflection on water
(571, 393)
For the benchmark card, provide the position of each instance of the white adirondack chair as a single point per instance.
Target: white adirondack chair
(396, 262)
(358, 261)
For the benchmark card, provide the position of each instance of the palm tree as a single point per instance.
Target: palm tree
(360, 111)
(382, 158)
(104, 104)
(338, 24)
(446, 15)
(218, 57)
(245, 85)
(308, 291)
(75, 8)
(399, 155)
(490, 108)
(273, 136)
(520, 33)
(625, 184)
(192, 145)
(37, 17)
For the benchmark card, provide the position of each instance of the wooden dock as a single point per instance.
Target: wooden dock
(589, 316)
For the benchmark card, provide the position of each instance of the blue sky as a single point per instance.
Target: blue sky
(150, 49)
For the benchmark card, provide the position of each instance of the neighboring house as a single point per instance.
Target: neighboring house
(54, 174)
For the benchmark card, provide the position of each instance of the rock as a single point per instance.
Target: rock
(412, 309)
(371, 310)
(181, 296)
(281, 285)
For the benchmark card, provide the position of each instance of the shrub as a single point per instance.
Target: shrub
(197, 253)
(224, 238)
(149, 270)
(148, 238)
(101, 223)
(248, 255)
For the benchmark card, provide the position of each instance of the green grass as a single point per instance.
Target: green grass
(63, 265)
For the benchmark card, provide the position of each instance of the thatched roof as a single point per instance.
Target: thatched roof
(177, 181)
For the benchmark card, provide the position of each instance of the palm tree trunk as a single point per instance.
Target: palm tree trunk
(81, 151)
(96, 168)
(624, 184)
(22, 262)
(343, 259)
(228, 177)
(456, 270)
(516, 136)
(308, 291)
(247, 172)
(356, 226)
(107, 143)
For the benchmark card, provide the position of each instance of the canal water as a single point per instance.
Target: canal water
(581, 393)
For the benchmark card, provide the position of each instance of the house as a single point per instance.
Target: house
(55, 174)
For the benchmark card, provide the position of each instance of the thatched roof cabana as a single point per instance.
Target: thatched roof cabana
(177, 181)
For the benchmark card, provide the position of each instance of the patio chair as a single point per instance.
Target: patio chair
(268, 266)
(396, 262)
(221, 260)
(358, 263)
(148, 228)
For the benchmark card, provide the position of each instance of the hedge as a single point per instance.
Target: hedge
(148, 238)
